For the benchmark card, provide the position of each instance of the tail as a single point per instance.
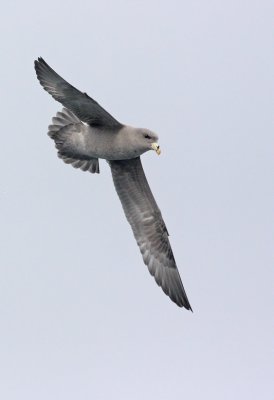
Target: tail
(65, 130)
(63, 118)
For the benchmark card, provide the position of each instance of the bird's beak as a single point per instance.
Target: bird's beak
(156, 147)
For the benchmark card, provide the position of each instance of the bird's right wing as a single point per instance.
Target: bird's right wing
(83, 106)
(148, 227)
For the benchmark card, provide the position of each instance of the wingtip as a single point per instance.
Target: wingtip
(36, 63)
(182, 300)
(39, 62)
(42, 69)
(185, 305)
(40, 59)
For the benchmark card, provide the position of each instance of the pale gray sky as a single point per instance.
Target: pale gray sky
(80, 316)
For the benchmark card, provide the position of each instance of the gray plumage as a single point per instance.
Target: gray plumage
(84, 107)
(83, 132)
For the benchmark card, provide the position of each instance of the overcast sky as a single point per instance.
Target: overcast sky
(80, 316)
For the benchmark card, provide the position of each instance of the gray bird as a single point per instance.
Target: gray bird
(83, 132)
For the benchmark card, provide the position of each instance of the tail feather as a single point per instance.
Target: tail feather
(66, 126)
(63, 118)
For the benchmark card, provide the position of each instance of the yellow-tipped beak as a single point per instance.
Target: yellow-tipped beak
(156, 147)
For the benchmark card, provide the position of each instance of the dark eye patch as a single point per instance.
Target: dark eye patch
(147, 136)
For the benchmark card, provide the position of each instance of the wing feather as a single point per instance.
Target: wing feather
(148, 227)
(83, 106)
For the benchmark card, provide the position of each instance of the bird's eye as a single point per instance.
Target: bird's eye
(147, 136)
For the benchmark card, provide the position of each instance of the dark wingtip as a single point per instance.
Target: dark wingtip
(37, 64)
(39, 59)
(42, 69)
(187, 306)
(40, 62)
(36, 67)
(183, 302)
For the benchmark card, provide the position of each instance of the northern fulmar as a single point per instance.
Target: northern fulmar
(83, 132)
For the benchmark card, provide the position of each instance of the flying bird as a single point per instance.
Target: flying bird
(83, 133)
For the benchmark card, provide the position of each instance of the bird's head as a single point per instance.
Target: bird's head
(149, 140)
(133, 142)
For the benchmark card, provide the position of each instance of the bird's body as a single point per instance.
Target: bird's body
(84, 133)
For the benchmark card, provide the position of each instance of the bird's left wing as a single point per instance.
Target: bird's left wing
(83, 106)
(148, 227)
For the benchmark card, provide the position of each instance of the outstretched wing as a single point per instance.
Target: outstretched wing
(83, 106)
(148, 227)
